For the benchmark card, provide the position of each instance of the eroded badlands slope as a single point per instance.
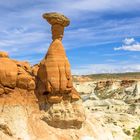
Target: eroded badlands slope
(111, 108)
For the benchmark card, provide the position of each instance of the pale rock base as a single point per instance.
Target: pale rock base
(65, 115)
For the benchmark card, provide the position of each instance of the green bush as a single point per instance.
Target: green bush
(136, 134)
(127, 132)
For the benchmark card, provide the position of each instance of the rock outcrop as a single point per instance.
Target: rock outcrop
(14, 74)
(17, 98)
(115, 103)
(126, 90)
(8, 71)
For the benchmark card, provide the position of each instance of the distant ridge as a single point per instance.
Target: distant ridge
(127, 75)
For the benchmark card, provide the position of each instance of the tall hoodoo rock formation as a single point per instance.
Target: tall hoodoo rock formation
(54, 72)
(54, 85)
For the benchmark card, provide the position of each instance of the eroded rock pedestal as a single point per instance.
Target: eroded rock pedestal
(54, 86)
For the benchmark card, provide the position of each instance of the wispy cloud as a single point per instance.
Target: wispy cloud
(99, 6)
(106, 68)
(134, 47)
(129, 45)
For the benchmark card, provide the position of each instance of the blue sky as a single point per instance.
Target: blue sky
(103, 37)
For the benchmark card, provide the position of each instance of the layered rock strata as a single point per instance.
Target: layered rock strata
(15, 74)
(55, 79)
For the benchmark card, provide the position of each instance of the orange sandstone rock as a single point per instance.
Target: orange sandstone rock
(4, 54)
(35, 69)
(15, 74)
(25, 81)
(56, 99)
(8, 72)
(1, 91)
(54, 71)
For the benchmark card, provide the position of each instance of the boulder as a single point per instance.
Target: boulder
(24, 65)
(31, 85)
(74, 95)
(8, 72)
(25, 81)
(8, 90)
(4, 55)
(35, 69)
(1, 91)
(54, 99)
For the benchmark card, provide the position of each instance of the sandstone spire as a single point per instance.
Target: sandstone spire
(56, 94)
(54, 72)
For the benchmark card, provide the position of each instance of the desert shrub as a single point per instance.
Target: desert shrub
(136, 135)
(127, 132)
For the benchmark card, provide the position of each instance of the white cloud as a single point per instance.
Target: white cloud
(128, 41)
(129, 45)
(106, 68)
(133, 47)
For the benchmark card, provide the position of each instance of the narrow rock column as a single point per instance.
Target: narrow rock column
(57, 31)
